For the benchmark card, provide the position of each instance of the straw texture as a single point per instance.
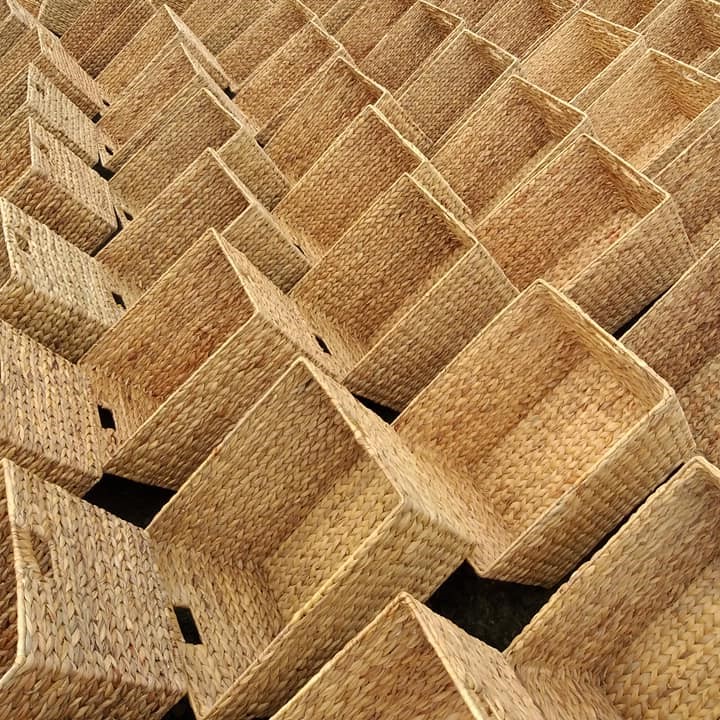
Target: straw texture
(636, 14)
(348, 521)
(551, 430)
(64, 646)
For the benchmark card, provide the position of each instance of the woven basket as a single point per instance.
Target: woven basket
(593, 226)
(149, 245)
(411, 663)
(240, 332)
(54, 292)
(654, 654)
(505, 140)
(49, 422)
(689, 30)
(263, 37)
(354, 522)
(31, 95)
(678, 338)
(473, 11)
(408, 43)
(43, 50)
(582, 58)
(338, 14)
(15, 23)
(41, 176)
(202, 122)
(368, 23)
(277, 79)
(58, 15)
(655, 110)
(519, 25)
(635, 14)
(693, 181)
(379, 269)
(268, 246)
(363, 162)
(217, 26)
(74, 585)
(563, 433)
(456, 79)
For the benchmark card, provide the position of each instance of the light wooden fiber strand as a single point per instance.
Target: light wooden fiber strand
(552, 430)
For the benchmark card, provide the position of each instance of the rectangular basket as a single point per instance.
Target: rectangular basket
(41, 176)
(693, 181)
(655, 110)
(592, 225)
(263, 37)
(307, 565)
(413, 38)
(54, 292)
(63, 564)
(203, 121)
(563, 433)
(582, 58)
(44, 50)
(273, 83)
(677, 338)
(504, 140)
(31, 95)
(411, 663)
(363, 162)
(239, 334)
(653, 657)
(519, 25)
(689, 30)
(49, 423)
(456, 79)
(148, 246)
(633, 14)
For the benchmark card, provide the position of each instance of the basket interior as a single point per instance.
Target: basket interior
(623, 12)
(567, 216)
(576, 54)
(16, 155)
(503, 142)
(8, 596)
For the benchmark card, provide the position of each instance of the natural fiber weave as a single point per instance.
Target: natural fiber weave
(409, 43)
(634, 633)
(680, 339)
(85, 627)
(263, 37)
(550, 431)
(354, 521)
(693, 181)
(43, 50)
(410, 663)
(583, 57)
(519, 25)
(634, 14)
(456, 79)
(338, 14)
(202, 122)
(592, 225)
(54, 292)
(655, 110)
(49, 423)
(689, 30)
(472, 10)
(206, 195)
(58, 15)
(273, 83)
(31, 95)
(238, 335)
(217, 26)
(504, 141)
(96, 17)
(16, 22)
(363, 162)
(42, 177)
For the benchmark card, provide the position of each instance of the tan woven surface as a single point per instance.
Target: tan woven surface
(636, 14)
(367, 23)
(654, 655)
(65, 646)
(555, 420)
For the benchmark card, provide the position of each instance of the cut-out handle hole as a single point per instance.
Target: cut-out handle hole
(109, 150)
(23, 240)
(107, 419)
(299, 248)
(41, 552)
(96, 118)
(105, 103)
(323, 345)
(118, 298)
(188, 626)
